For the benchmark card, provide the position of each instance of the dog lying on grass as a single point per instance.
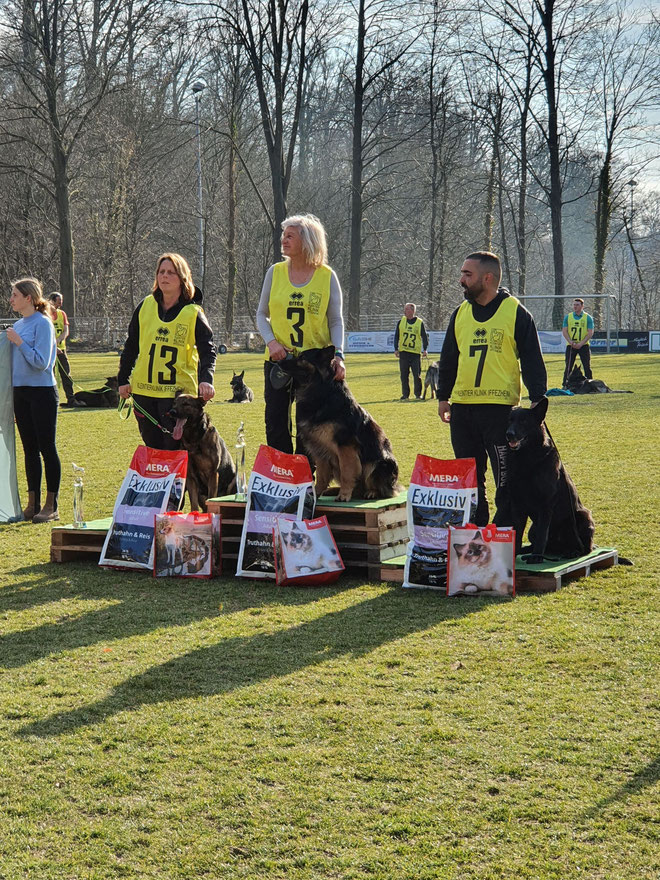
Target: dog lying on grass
(241, 392)
(342, 440)
(539, 489)
(103, 398)
(211, 470)
(578, 384)
(431, 380)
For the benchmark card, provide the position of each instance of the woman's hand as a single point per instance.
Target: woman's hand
(13, 336)
(276, 350)
(206, 391)
(124, 391)
(339, 368)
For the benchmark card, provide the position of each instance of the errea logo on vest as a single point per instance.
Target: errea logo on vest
(443, 478)
(283, 472)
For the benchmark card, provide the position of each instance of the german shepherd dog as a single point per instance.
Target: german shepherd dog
(342, 440)
(579, 384)
(106, 397)
(431, 379)
(211, 470)
(241, 392)
(538, 488)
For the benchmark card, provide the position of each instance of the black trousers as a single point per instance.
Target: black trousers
(479, 431)
(158, 408)
(35, 409)
(572, 354)
(279, 425)
(408, 361)
(64, 371)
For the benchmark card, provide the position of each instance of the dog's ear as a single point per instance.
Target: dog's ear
(201, 403)
(233, 374)
(240, 375)
(539, 411)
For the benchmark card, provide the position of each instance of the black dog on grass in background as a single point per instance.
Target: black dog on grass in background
(539, 489)
(241, 392)
(102, 398)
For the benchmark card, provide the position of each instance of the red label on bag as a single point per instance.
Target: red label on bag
(281, 466)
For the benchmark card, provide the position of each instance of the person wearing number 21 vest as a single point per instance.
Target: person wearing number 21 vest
(490, 339)
(300, 309)
(169, 348)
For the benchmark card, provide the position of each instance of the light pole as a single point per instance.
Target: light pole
(632, 184)
(197, 88)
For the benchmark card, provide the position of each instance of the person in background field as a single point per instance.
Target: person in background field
(300, 309)
(35, 395)
(169, 348)
(61, 323)
(410, 342)
(577, 331)
(491, 337)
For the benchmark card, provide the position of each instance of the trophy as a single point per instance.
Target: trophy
(78, 521)
(241, 483)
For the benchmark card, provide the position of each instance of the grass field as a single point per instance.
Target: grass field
(230, 729)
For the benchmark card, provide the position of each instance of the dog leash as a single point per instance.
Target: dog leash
(129, 405)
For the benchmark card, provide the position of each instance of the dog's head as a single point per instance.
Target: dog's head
(112, 382)
(310, 365)
(236, 380)
(185, 407)
(526, 424)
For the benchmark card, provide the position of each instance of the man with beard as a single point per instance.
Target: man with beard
(490, 339)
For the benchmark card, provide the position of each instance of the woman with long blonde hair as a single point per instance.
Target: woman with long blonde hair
(35, 395)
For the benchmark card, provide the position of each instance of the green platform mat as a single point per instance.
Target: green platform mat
(331, 501)
(544, 567)
(99, 525)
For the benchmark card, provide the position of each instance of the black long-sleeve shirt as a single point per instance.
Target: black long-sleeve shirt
(424, 334)
(532, 366)
(203, 340)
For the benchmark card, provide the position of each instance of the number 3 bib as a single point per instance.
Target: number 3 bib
(299, 315)
(168, 357)
(488, 370)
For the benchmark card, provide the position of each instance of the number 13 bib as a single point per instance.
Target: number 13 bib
(168, 357)
(299, 315)
(488, 370)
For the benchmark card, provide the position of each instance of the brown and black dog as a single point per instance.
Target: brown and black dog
(539, 489)
(211, 470)
(340, 437)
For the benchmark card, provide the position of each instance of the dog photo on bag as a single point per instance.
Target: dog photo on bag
(539, 489)
(211, 470)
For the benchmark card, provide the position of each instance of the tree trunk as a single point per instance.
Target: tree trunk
(603, 216)
(231, 241)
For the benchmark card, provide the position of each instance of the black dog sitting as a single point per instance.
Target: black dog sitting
(106, 397)
(538, 488)
(242, 394)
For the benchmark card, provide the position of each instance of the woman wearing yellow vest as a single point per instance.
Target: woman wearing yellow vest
(169, 348)
(300, 309)
(490, 340)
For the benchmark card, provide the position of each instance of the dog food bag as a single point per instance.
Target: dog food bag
(442, 493)
(187, 545)
(305, 552)
(279, 483)
(481, 561)
(152, 462)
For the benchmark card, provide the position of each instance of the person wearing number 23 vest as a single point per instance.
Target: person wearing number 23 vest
(410, 342)
(169, 348)
(490, 339)
(300, 308)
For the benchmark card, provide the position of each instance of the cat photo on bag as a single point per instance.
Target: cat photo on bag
(480, 562)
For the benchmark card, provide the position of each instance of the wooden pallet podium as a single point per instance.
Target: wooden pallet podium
(68, 543)
(366, 532)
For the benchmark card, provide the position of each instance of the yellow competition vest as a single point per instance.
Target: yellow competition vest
(299, 315)
(488, 370)
(58, 321)
(577, 327)
(167, 358)
(410, 335)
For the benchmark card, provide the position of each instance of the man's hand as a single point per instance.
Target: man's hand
(444, 411)
(124, 391)
(425, 354)
(206, 391)
(396, 353)
(339, 368)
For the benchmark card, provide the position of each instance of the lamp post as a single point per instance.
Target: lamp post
(632, 184)
(197, 88)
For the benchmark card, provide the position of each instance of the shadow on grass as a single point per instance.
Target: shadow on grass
(243, 661)
(647, 776)
(141, 605)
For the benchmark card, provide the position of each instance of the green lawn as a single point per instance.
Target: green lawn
(230, 729)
